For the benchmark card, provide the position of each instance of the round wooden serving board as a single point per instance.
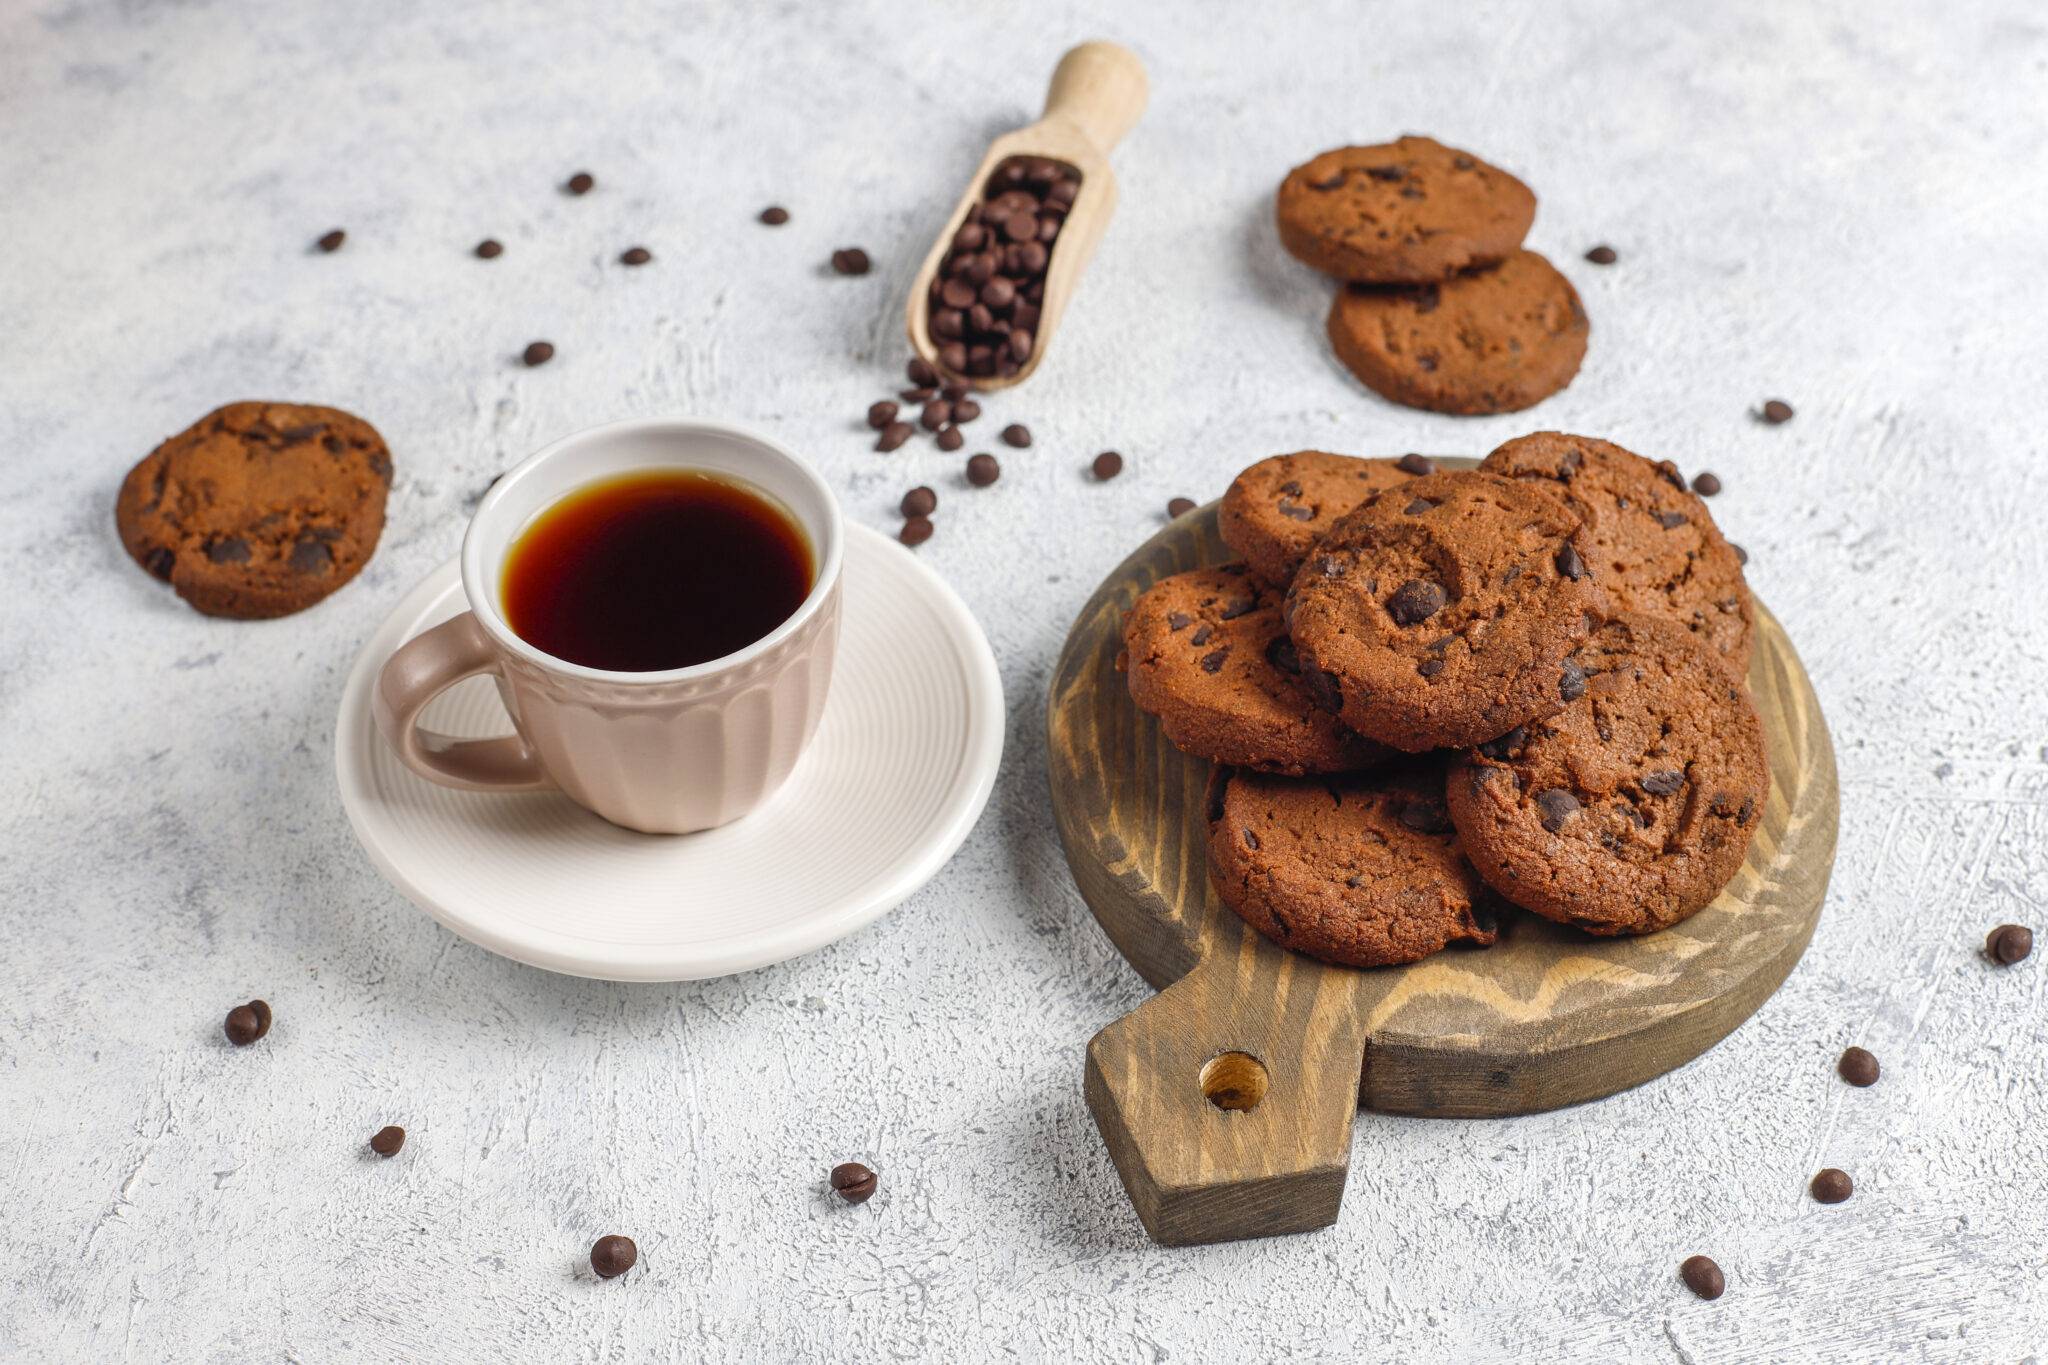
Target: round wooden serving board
(1546, 1017)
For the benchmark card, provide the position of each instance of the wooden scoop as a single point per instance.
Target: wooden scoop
(1097, 92)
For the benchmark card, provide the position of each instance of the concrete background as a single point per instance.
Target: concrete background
(1841, 204)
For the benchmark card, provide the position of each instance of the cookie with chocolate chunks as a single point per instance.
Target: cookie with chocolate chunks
(1630, 809)
(1206, 652)
(1362, 869)
(258, 509)
(1653, 543)
(1277, 509)
(1406, 212)
(1445, 611)
(1496, 340)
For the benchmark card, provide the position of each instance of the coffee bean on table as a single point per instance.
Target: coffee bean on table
(1602, 255)
(881, 414)
(853, 1182)
(920, 502)
(850, 260)
(1180, 507)
(954, 390)
(331, 241)
(1858, 1067)
(489, 249)
(950, 439)
(1832, 1186)
(1706, 483)
(635, 255)
(538, 352)
(935, 414)
(1703, 1277)
(388, 1140)
(2009, 943)
(1017, 434)
(1777, 412)
(965, 410)
(916, 530)
(1415, 464)
(919, 396)
(983, 470)
(894, 435)
(581, 183)
(1108, 465)
(613, 1256)
(775, 215)
(246, 1023)
(921, 373)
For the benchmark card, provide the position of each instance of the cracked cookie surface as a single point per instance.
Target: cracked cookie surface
(1207, 653)
(1630, 809)
(1444, 612)
(1652, 543)
(1362, 869)
(1490, 341)
(1277, 509)
(258, 509)
(1405, 212)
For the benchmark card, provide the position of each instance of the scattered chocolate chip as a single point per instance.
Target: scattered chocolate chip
(538, 352)
(1108, 465)
(916, 530)
(635, 255)
(1430, 667)
(311, 556)
(1415, 601)
(1556, 806)
(983, 470)
(1741, 555)
(160, 561)
(1663, 782)
(1235, 608)
(1832, 1186)
(1202, 634)
(1415, 464)
(230, 550)
(388, 1140)
(920, 502)
(1568, 562)
(1426, 817)
(1179, 507)
(853, 1182)
(894, 435)
(1777, 412)
(1017, 434)
(613, 1256)
(1180, 620)
(1571, 681)
(1706, 483)
(246, 1023)
(1671, 521)
(1602, 255)
(1212, 662)
(1703, 1277)
(1279, 652)
(850, 260)
(331, 241)
(881, 414)
(2009, 943)
(775, 215)
(1858, 1067)
(1417, 507)
(581, 183)
(489, 249)
(1506, 744)
(1251, 838)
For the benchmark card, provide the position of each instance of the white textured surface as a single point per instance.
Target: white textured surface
(1841, 203)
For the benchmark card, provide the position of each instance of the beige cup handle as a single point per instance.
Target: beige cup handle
(423, 668)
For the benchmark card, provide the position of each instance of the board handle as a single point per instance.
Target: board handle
(1101, 89)
(1227, 1099)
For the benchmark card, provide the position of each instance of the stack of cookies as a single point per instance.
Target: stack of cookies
(1442, 307)
(1430, 692)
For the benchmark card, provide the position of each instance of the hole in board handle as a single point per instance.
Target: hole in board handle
(1234, 1081)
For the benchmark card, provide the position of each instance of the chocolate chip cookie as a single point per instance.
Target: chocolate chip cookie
(1402, 213)
(258, 509)
(1281, 506)
(1652, 544)
(1207, 653)
(1496, 340)
(1444, 612)
(1362, 869)
(1631, 808)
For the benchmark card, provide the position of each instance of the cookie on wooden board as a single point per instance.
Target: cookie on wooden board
(1207, 653)
(1362, 869)
(1631, 808)
(258, 509)
(1406, 212)
(1653, 545)
(1490, 341)
(1444, 612)
(1278, 508)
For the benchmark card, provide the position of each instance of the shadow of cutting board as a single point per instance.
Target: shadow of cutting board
(1227, 1100)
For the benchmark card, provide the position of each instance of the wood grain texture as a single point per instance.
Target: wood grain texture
(1547, 1017)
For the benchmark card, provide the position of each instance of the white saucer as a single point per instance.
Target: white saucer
(901, 767)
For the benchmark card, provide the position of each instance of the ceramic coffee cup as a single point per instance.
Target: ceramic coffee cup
(668, 752)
